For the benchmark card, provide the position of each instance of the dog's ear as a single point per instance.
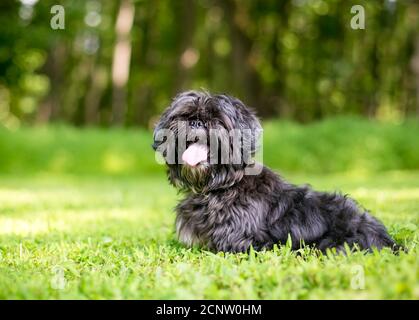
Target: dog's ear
(250, 121)
(180, 106)
(161, 123)
(247, 122)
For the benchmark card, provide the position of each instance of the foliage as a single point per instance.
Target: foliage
(295, 59)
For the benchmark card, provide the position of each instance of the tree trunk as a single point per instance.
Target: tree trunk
(187, 56)
(245, 78)
(121, 60)
(50, 108)
(94, 94)
(415, 69)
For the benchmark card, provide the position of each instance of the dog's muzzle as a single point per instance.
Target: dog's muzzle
(195, 154)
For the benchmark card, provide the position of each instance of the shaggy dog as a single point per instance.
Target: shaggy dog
(230, 207)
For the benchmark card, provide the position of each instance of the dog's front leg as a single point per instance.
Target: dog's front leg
(229, 239)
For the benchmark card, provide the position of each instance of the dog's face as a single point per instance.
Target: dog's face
(206, 140)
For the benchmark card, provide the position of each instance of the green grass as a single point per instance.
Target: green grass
(113, 238)
(88, 214)
(357, 145)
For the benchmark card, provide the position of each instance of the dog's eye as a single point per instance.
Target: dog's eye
(196, 124)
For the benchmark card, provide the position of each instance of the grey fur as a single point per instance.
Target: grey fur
(226, 210)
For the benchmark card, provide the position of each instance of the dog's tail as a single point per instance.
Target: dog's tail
(377, 236)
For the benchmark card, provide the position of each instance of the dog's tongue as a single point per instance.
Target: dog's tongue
(195, 154)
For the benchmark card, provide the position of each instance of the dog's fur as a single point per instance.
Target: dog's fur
(227, 210)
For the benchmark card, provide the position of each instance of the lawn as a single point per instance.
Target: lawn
(96, 238)
(85, 214)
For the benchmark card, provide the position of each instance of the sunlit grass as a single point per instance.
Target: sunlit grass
(114, 238)
(91, 205)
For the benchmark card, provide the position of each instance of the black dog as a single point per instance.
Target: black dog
(226, 209)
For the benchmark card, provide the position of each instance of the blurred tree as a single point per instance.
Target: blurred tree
(121, 59)
(120, 62)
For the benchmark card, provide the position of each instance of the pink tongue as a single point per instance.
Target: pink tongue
(195, 154)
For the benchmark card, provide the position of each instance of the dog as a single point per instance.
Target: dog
(233, 206)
